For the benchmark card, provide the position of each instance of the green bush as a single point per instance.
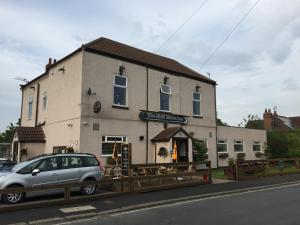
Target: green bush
(201, 151)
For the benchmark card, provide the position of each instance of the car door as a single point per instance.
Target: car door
(71, 169)
(48, 172)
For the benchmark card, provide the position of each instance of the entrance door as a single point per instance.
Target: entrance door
(15, 151)
(182, 149)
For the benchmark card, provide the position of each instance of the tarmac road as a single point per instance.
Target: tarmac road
(279, 206)
(127, 200)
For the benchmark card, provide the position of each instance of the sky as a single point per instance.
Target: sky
(256, 68)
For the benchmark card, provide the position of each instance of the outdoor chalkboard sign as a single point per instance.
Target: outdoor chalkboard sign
(126, 159)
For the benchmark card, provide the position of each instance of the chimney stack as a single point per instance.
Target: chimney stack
(268, 118)
(49, 64)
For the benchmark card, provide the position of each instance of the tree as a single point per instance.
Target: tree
(252, 122)
(201, 150)
(221, 123)
(277, 144)
(8, 135)
(294, 143)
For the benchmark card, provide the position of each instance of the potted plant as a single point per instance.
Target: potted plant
(223, 155)
(259, 154)
(240, 157)
(201, 154)
(229, 171)
(162, 152)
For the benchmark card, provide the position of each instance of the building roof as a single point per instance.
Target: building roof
(291, 123)
(125, 52)
(30, 134)
(113, 48)
(168, 133)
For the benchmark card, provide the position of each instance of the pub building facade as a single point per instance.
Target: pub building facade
(106, 92)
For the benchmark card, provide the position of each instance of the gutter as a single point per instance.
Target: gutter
(147, 122)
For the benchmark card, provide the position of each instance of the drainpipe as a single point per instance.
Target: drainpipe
(147, 122)
(37, 104)
(22, 99)
(216, 126)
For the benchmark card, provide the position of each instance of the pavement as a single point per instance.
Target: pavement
(276, 206)
(139, 200)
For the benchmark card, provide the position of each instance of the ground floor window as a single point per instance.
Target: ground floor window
(256, 146)
(108, 144)
(238, 146)
(222, 146)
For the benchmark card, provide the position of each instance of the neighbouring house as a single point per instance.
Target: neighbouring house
(273, 121)
(107, 92)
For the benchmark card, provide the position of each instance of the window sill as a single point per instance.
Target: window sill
(199, 117)
(120, 107)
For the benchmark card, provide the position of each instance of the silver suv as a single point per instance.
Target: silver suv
(51, 169)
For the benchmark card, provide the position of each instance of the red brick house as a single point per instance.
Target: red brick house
(273, 121)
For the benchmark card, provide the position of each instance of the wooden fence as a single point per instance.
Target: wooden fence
(142, 177)
(270, 167)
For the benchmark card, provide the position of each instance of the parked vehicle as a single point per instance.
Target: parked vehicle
(51, 169)
(6, 164)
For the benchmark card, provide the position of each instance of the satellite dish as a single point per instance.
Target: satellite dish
(97, 107)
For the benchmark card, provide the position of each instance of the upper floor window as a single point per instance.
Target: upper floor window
(120, 90)
(238, 146)
(256, 146)
(45, 100)
(30, 103)
(165, 92)
(196, 103)
(222, 146)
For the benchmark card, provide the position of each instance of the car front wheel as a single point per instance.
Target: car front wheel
(13, 198)
(89, 189)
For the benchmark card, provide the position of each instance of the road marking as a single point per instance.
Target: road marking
(77, 209)
(203, 199)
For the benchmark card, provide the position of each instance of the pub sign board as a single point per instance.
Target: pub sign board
(126, 159)
(163, 117)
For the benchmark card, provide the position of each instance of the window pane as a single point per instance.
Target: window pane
(222, 147)
(238, 148)
(75, 162)
(28, 169)
(120, 80)
(166, 89)
(119, 96)
(30, 110)
(196, 96)
(164, 102)
(90, 161)
(196, 108)
(113, 139)
(256, 148)
(48, 164)
(107, 148)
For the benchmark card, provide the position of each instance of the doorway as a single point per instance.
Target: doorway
(15, 151)
(182, 149)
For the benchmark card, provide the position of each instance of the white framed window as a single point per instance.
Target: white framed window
(108, 144)
(120, 90)
(44, 100)
(256, 146)
(165, 93)
(222, 146)
(196, 103)
(238, 145)
(30, 105)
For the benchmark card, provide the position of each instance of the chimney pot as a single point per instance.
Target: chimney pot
(50, 61)
(269, 110)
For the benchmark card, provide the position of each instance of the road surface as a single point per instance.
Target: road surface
(278, 206)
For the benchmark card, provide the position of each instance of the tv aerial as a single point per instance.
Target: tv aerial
(22, 79)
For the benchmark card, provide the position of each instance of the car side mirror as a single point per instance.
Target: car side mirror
(35, 172)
